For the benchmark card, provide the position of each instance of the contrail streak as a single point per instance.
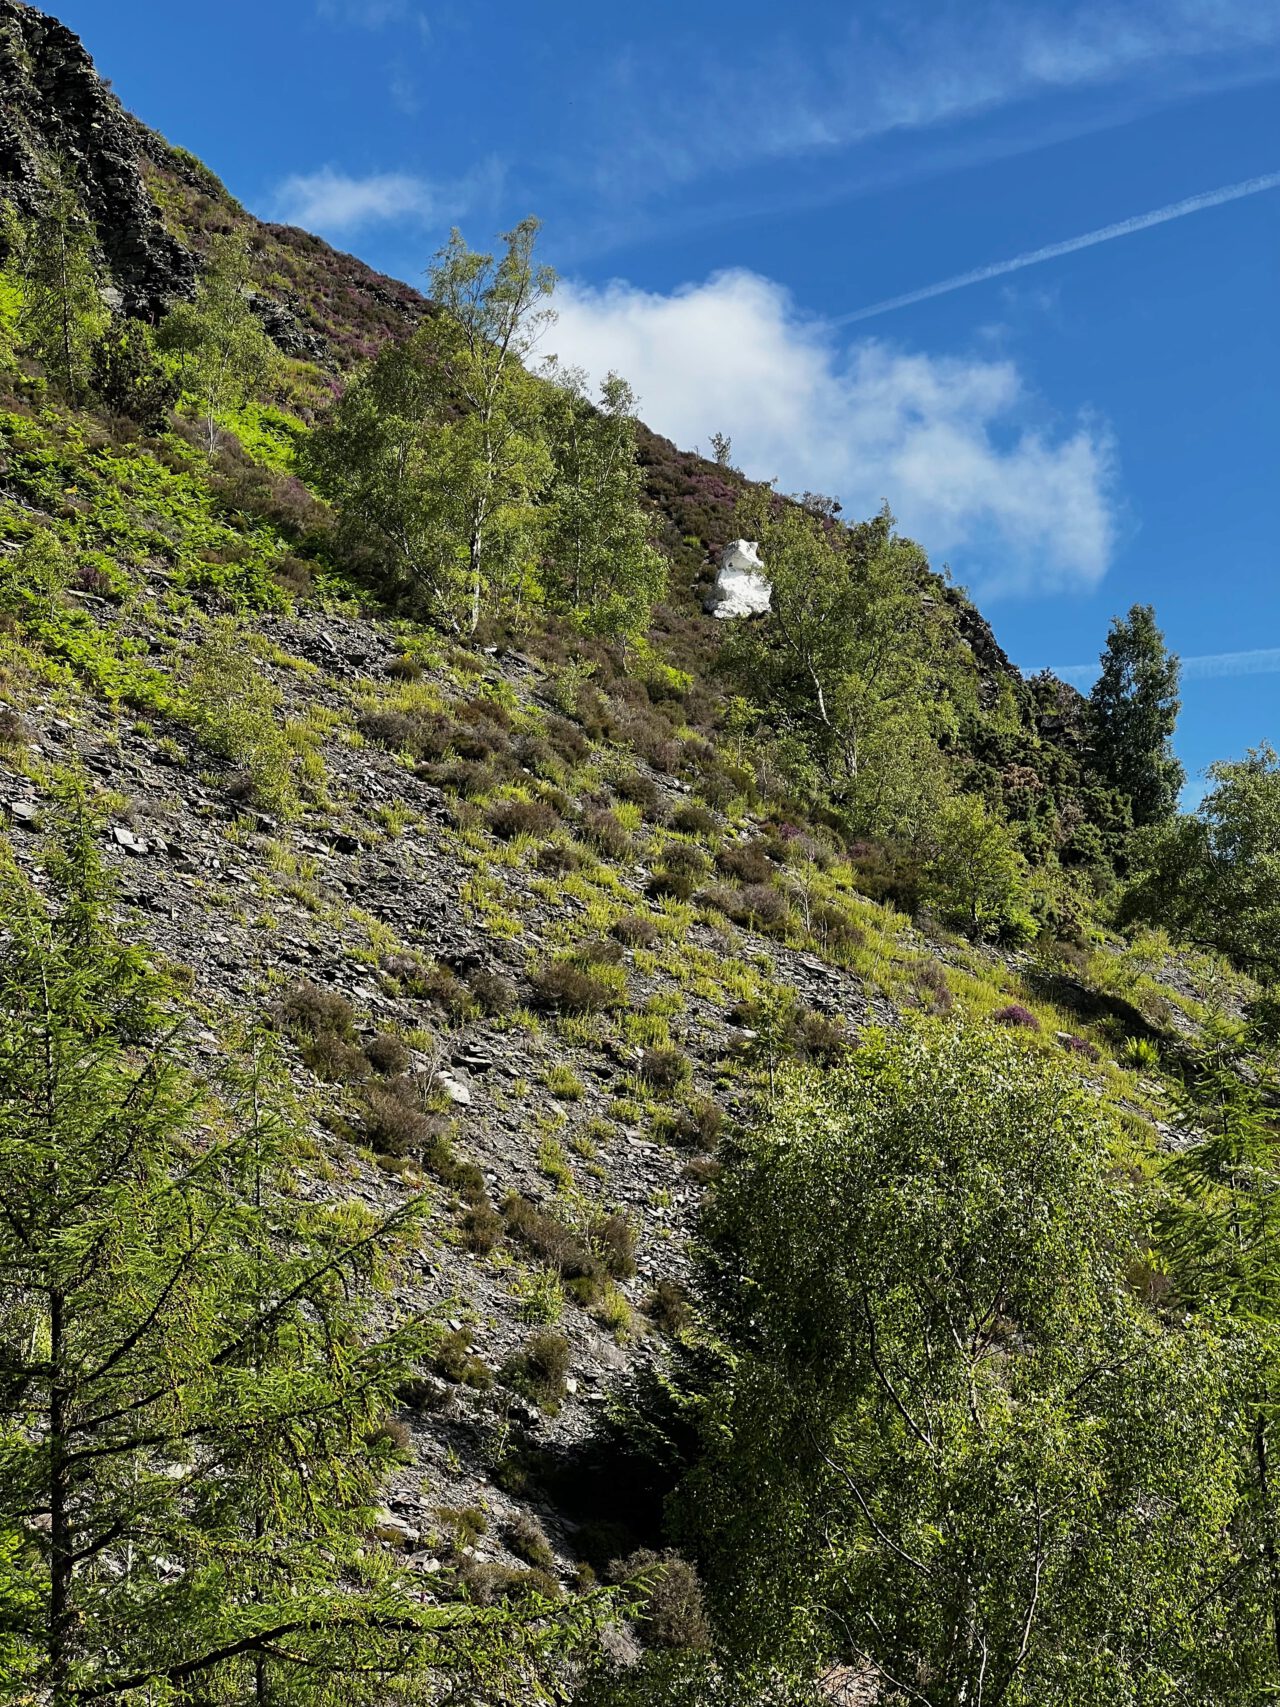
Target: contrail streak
(1033, 258)
(1261, 661)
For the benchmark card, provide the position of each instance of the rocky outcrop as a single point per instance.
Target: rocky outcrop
(54, 106)
(741, 585)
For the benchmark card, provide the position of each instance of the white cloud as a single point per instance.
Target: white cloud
(338, 203)
(950, 441)
(700, 106)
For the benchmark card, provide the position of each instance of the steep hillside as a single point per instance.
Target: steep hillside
(536, 922)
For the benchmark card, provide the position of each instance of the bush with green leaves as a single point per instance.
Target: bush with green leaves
(949, 1443)
(221, 355)
(976, 875)
(1214, 875)
(234, 708)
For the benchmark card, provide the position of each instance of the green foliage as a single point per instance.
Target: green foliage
(1214, 876)
(50, 269)
(601, 569)
(234, 709)
(192, 1385)
(948, 1441)
(851, 659)
(221, 354)
(1134, 708)
(976, 874)
(128, 376)
(433, 456)
(34, 579)
(663, 1679)
(32, 584)
(138, 508)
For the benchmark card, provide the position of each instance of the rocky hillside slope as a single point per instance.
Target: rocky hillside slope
(534, 935)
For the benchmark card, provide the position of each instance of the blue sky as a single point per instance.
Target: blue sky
(725, 187)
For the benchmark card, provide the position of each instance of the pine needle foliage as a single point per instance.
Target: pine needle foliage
(192, 1373)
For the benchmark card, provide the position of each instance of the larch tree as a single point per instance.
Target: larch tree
(60, 314)
(192, 1380)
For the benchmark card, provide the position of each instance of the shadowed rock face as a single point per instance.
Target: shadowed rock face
(741, 586)
(53, 105)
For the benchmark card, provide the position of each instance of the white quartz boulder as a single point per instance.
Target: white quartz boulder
(741, 586)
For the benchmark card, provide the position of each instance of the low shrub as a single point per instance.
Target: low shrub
(527, 1539)
(482, 1228)
(454, 1359)
(332, 1058)
(405, 668)
(674, 1613)
(394, 1121)
(933, 993)
(614, 1237)
(387, 1054)
(762, 907)
(492, 993)
(562, 987)
(567, 740)
(508, 819)
(556, 858)
(693, 819)
(835, 929)
(664, 1069)
(488, 1582)
(607, 833)
(550, 1239)
(634, 930)
(748, 862)
(424, 735)
(464, 777)
(704, 1170)
(539, 1369)
(888, 874)
(13, 731)
(822, 1037)
(428, 981)
(683, 856)
(468, 1523)
(598, 951)
(668, 1308)
(394, 1437)
(691, 1126)
(1078, 1046)
(1017, 1017)
(640, 791)
(309, 1010)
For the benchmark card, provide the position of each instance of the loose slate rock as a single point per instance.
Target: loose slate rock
(129, 842)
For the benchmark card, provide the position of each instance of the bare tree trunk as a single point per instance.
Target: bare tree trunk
(60, 1549)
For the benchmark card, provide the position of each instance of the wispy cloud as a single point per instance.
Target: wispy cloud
(375, 14)
(1208, 666)
(1069, 246)
(339, 203)
(903, 68)
(954, 443)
